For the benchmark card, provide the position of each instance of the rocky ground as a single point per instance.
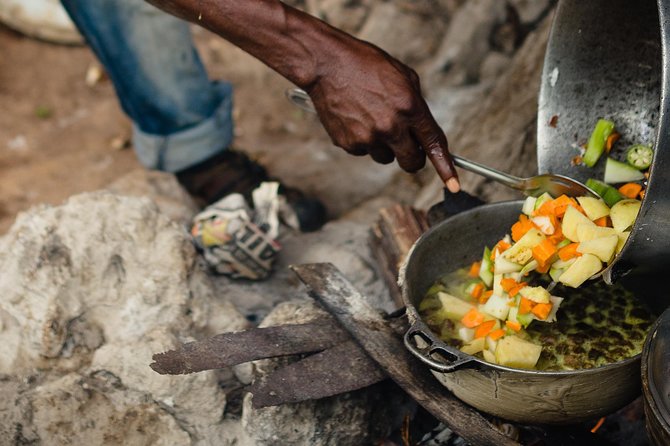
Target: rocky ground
(90, 288)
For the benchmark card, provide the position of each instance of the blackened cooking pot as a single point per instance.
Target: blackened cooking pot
(610, 59)
(526, 396)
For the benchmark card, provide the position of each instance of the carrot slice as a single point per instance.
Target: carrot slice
(513, 325)
(472, 318)
(484, 328)
(525, 305)
(520, 228)
(500, 247)
(609, 142)
(561, 204)
(508, 284)
(558, 236)
(474, 269)
(541, 310)
(544, 268)
(602, 221)
(486, 295)
(568, 252)
(544, 252)
(515, 289)
(477, 290)
(497, 334)
(630, 190)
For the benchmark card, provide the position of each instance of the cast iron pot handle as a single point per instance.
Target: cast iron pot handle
(460, 360)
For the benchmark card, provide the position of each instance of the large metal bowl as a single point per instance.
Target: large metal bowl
(525, 396)
(610, 58)
(656, 380)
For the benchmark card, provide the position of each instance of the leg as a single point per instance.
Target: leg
(180, 117)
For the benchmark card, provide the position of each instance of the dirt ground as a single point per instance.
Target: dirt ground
(59, 136)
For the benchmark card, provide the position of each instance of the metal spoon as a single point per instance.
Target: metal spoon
(535, 186)
(555, 185)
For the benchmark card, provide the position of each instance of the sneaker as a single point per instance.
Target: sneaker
(231, 171)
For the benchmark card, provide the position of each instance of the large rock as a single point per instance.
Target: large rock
(93, 288)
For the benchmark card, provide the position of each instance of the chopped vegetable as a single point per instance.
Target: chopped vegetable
(568, 252)
(544, 252)
(484, 328)
(514, 325)
(472, 318)
(477, 290)
(525, 305)
(596, 144)
(485, 296)
(630, 190)
(485, 267)
(640, 156)
(618, 172)
(623, 214)
(594, 208)
(474, 269)
(541, 311)
(496, 334)
(602, 222)
(614, 137)
(608, 193)
(520, 228)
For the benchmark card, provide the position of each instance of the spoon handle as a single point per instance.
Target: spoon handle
(488, 172)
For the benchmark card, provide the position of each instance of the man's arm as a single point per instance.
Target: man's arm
(368, 102)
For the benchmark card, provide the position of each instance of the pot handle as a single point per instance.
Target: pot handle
(453, 359)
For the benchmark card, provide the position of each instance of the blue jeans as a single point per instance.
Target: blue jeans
(179, 116)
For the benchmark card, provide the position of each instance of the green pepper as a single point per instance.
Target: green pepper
(609, 194)
(596, 145)
(640, 156)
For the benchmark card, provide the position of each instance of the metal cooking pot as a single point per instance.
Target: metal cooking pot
(656, 380)
(609, 58)
(526, 396)
(604, 59)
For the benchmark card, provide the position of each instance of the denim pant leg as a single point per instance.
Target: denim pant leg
(179, 116)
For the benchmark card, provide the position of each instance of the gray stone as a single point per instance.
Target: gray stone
(466, 43)
(97, 409)
(530, 11)
(409, 37)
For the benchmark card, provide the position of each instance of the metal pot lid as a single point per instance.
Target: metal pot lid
(605, 59)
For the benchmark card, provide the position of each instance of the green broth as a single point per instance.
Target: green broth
(597, 324)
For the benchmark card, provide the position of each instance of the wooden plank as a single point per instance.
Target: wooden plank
(342, 368)
(228, 349)
(327, 285)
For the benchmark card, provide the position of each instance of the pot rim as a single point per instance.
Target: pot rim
(651, 394)
(418, 325)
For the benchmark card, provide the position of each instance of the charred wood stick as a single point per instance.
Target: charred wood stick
(228, 349)
(327, 285)
(342, 368)
(391, 237)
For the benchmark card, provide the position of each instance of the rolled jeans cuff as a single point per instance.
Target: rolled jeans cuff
(185, 148)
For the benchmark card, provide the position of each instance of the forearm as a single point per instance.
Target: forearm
(295, 44)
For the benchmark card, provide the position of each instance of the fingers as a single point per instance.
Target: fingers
(408, 153)
(434, 142)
